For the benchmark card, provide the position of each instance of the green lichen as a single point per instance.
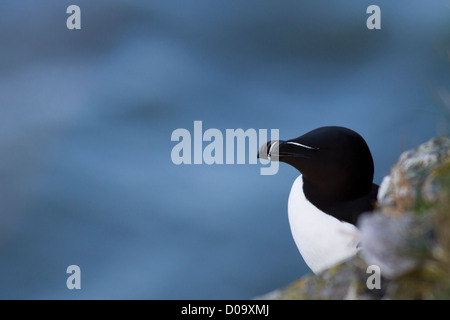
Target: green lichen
(421, 206)
(442, 174)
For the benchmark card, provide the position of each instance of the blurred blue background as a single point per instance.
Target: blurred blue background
(86, 118)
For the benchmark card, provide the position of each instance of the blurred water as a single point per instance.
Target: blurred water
(86, 118)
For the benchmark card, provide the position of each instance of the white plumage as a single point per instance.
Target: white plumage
(322, 240)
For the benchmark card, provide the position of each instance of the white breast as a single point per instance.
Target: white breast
(321, 239)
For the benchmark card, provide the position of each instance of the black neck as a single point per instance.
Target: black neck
(345, 206)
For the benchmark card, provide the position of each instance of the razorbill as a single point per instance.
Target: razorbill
(334, 188)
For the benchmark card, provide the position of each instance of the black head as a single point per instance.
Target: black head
(334, 161)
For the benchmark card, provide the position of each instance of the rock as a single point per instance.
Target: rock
(396, 244)
(410, 182)
(346, 281)
(406, 239)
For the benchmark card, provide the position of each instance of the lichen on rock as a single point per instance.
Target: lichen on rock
(407, 237)
(410, 185)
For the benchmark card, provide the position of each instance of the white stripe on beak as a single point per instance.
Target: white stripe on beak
(300, 145)
(269, 153)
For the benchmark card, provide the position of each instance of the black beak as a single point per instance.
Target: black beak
(277, 149)
(271, 150)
